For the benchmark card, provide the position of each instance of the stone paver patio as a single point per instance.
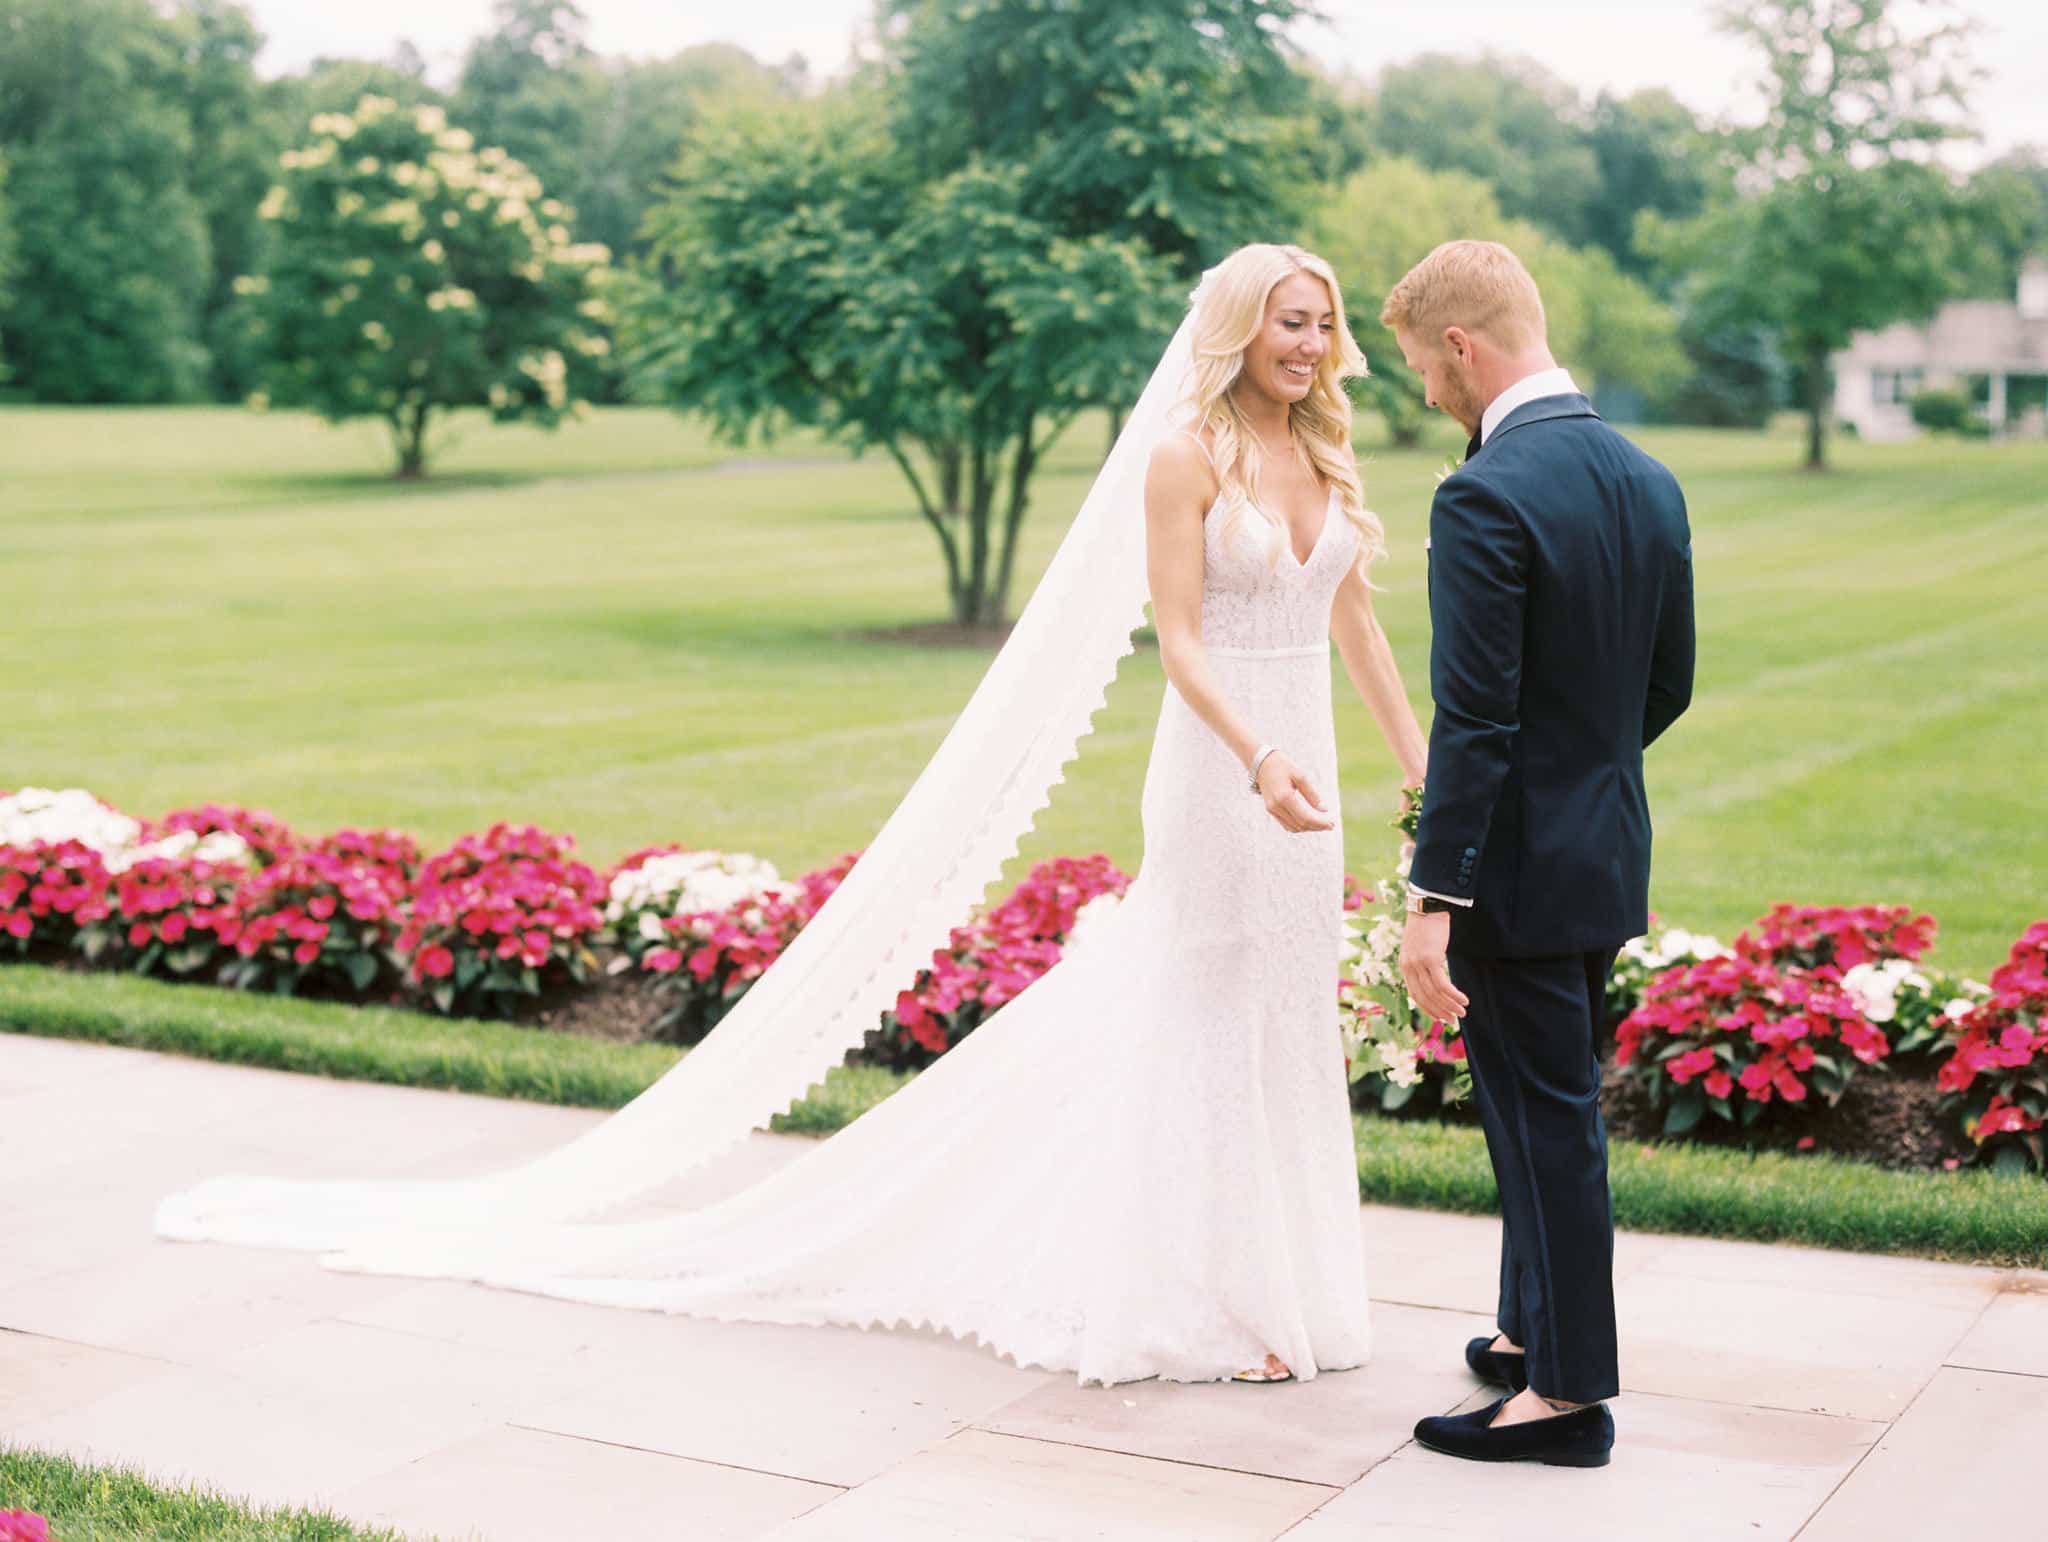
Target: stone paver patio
(1770, 1392)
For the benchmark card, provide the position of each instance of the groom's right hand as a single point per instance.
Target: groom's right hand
(1291, 797)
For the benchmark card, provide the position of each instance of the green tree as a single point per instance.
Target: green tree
(2008, 202)
(414, 273)
(816, 277)
(1507, 121)
(6, 261)
(235, 143)
(1603, 325)
(1652, 156)
(1845, 225)
(1168, 121)
(112, 245)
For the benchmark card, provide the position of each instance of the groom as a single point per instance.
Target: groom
(1560, 599)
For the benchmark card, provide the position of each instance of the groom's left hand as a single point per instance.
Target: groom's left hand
(1425, 966)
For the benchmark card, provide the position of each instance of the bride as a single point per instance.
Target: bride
(1141, 1167)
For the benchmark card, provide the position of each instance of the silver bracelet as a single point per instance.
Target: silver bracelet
(1259, 760)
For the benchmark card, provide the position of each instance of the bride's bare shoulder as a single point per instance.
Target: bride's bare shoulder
(1181, 469)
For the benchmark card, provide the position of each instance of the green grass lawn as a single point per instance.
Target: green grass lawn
(629, 633)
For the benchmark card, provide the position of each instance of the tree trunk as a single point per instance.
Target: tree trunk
(1116, 426)
(1021, 466)
(1817, 410)
(409, 427)
(971, 607)
(948, 457)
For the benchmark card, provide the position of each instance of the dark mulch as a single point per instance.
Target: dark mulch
(624, 1006)
(1886, 1118)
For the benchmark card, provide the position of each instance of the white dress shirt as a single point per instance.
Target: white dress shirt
(1530, 388)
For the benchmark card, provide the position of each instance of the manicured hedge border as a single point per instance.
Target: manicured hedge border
(1819, 1200)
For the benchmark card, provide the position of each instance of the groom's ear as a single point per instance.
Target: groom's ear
(1458, 344)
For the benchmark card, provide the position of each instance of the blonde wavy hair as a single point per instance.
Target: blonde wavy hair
(1230, 311)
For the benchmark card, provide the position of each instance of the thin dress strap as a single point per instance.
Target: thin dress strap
(1211, 459)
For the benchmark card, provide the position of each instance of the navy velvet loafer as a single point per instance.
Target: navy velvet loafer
(1582, 1438)
(1510, 1371)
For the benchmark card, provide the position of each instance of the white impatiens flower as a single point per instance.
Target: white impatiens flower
(220, 847)
(429, 119)
(274, 204)
(41, 814)
(1875, 987)
(677, 883)
(433, 250)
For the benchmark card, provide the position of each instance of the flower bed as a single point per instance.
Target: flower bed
(1759, 1041)
(498, 916)
(1996, 1077)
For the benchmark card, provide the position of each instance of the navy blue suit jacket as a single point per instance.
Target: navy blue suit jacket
(1561, 614)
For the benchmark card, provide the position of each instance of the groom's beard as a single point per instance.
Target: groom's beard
(1463, 405)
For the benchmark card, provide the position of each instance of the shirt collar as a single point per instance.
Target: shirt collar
(1545, 382)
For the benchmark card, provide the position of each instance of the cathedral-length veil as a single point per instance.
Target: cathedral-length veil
(961, 820)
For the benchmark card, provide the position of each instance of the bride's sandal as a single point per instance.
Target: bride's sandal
(1262, 1375)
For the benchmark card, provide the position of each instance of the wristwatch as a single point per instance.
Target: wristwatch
(1426, 904)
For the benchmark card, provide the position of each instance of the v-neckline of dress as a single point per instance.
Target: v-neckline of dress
(1317, 544)
(1301, 564)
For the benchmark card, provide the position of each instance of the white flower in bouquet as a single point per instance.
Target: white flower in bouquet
(40, 814)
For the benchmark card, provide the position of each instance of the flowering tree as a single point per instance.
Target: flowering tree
(412, 271)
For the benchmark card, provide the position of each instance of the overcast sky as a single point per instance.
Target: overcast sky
(1622, 44)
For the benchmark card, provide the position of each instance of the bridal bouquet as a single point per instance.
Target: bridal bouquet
(1388, 1041)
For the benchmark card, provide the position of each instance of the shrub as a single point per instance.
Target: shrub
(267, 837)
(1643, 958)
(318, 919)
(651, 887)
(1817, 936)
(710, 958)
(167, 915)
(48, 890)
(1730, 1036)
(1995, 1081)
(1941, 410)
(991, 960)
(499, 916)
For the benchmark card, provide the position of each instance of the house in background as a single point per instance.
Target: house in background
(1994, 351)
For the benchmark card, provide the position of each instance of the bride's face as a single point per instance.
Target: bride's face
(1281, 362)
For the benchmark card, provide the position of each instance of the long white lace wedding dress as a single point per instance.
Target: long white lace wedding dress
(1140, 1167)
(1143, 1165)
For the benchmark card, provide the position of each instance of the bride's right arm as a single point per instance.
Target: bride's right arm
(1179, 488)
